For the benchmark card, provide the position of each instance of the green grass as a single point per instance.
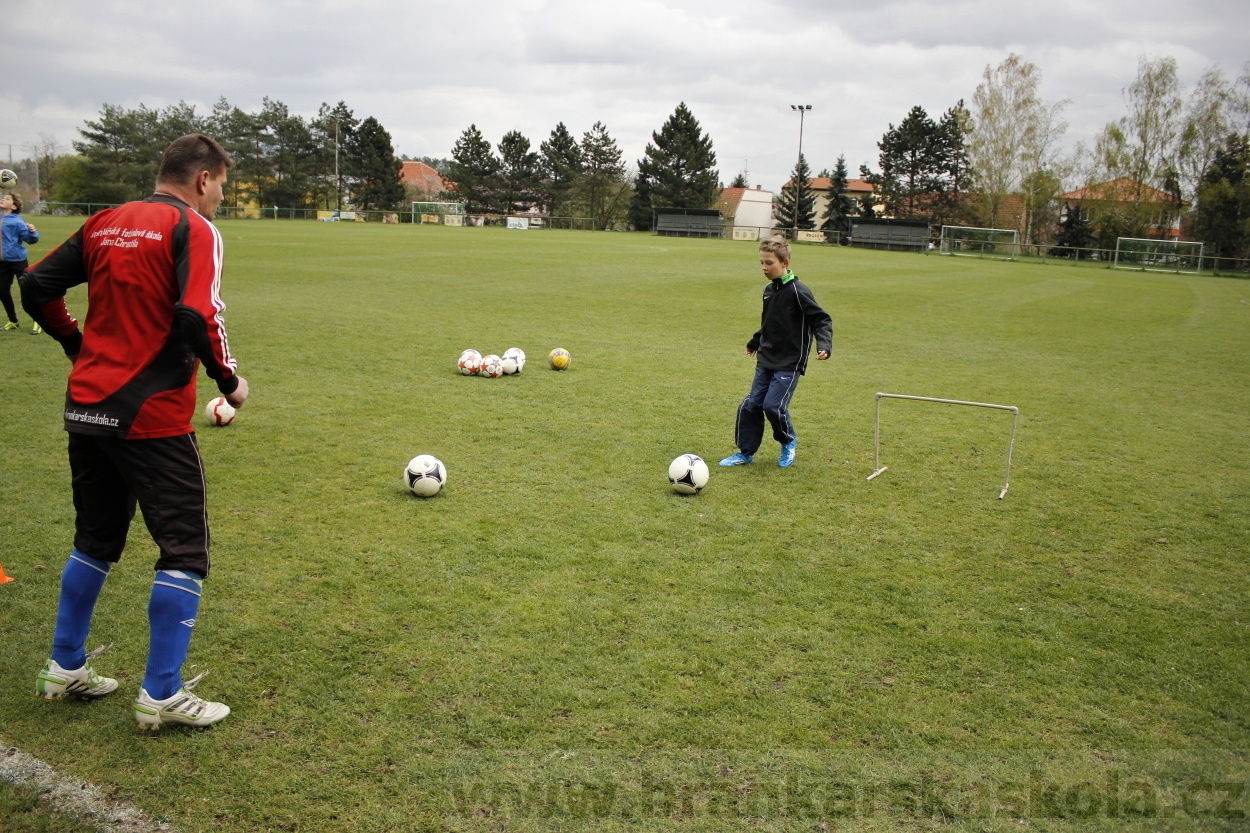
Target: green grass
(558, 640)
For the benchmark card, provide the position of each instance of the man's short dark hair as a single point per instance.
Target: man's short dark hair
(187, 155)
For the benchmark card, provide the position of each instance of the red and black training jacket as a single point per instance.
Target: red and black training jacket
(153, 275)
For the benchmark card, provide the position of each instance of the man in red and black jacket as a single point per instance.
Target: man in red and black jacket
(153, 275)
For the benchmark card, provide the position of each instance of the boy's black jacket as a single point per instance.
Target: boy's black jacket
(790, 320)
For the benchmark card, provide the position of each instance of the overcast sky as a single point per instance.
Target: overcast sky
(427, 70)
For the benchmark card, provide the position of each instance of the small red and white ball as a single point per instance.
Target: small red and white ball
(688, 474)
(492, 367)
(425, 475)
(469, 363)
(513, 360)
(219, 411)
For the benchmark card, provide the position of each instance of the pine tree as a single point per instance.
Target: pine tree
(602, 188)
(560, 162)
(473, 170)
(796, 206)
(640, 211)
(378, 184)
(332, 130)
(679, 165)
(838, 213)
(910, 165)
(739, 181)
(1074, 236)
(517, 188)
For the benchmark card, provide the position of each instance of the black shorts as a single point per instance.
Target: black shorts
(164, 477)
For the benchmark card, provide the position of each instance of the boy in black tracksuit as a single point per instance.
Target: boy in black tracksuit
(791, 319)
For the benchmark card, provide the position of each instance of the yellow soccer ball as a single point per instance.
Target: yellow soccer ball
(559, 359)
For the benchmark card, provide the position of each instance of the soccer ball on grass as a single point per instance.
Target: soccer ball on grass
(513, 360)
(425, 475)
(469, 363)
(219, 411)
(492, 367)
(688, 474)
(559, 359)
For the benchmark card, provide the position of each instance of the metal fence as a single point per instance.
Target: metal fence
(233, 212)
(1028, 253)
(1101, 258)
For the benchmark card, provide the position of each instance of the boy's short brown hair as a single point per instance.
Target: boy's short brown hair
(17, 203)
(187, 155)
(778, 245)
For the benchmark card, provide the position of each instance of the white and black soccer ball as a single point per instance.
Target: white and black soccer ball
(8, 179)
(513, 360)
(469, 363)
(219, 411)
(688, 474)
(425, 475)
(492, 367)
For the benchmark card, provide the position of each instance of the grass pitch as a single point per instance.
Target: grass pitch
(558, 642)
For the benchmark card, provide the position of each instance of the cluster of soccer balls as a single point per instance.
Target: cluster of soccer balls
(473, 363)
(512, 362)
(8, 180)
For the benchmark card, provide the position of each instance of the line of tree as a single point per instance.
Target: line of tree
(280, 158)
(564, 177)
(587, 177)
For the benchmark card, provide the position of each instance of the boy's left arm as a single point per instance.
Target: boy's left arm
(820, 322)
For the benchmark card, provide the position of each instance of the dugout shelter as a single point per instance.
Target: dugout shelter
(895, 235)
(687, 222)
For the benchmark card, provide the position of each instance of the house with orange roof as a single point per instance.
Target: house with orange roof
(748, 210)
(1159, 211)
(857, 189)
(420, 178)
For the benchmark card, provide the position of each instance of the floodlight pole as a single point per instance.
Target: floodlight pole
(338, 188)
(802, 108)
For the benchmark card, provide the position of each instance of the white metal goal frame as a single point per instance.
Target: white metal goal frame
(1149, 255)
(970, 241)
(437, 209)
(876, 433)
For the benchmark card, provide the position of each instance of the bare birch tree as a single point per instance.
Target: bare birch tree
(1001, 108)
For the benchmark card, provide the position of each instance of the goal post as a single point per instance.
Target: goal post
(1147, 255)
(969, 241)
(438, 212)
(876, 433)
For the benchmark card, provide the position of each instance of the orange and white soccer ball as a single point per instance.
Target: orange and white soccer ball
(492, 367)
(219, 411)
(469, 363)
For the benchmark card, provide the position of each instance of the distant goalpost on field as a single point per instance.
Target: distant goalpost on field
(968, 241)
(1158, 255)
(445, 213)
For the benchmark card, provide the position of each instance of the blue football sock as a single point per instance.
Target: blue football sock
(81, 581)
(171, 617)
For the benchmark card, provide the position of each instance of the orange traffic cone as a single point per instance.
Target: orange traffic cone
(3, 578)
